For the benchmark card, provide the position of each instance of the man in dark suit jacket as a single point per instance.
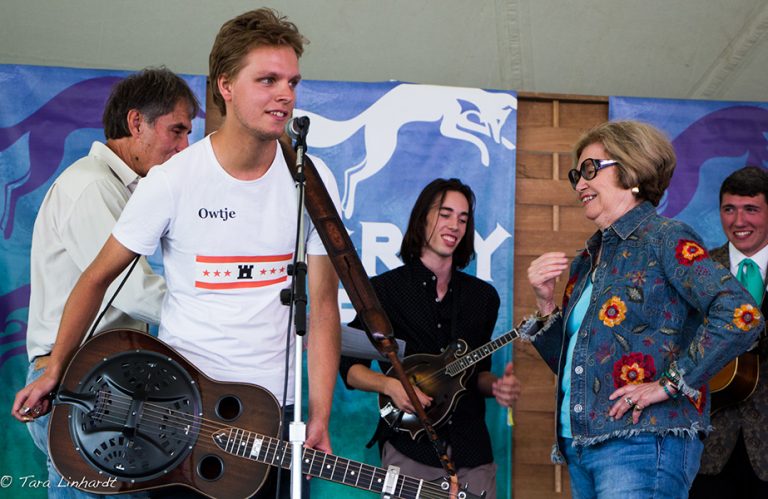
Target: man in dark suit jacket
(735, 458)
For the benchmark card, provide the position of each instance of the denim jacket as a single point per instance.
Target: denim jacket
(657, 298)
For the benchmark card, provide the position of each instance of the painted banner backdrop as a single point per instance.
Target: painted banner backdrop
(383, 141)
(48, 119)
(712, 139)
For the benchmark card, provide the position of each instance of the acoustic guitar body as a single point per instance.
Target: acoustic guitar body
(736, 382)
(141, 419)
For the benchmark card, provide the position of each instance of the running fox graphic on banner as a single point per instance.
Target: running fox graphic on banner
(462, 113)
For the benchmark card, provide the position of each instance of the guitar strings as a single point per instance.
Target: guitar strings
(207, 428)
(428, 489)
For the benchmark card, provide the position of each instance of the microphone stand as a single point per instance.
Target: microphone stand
(298, 300)
(352, 274)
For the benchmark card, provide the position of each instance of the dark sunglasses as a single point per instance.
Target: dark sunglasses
(588, 169)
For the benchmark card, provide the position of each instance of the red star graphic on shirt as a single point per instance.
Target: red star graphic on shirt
(272, 270)
(206, 273)
(227, 273)
(282, 269)
(217, 273)
(263, 271)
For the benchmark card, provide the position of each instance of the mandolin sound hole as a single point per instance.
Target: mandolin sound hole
(229, 408)
(210, 468)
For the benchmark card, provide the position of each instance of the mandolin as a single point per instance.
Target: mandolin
(442, 377)
(132, 414)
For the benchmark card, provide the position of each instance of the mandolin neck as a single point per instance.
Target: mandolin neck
(466, 361)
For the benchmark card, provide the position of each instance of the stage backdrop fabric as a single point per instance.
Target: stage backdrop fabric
(711, 139)
(48, 119)
(383, 141)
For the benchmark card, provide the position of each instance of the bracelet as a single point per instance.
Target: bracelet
(669, 394)
(673, 375)
(665, 383)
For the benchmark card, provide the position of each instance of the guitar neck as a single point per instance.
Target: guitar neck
(466, 361)
(276, 452)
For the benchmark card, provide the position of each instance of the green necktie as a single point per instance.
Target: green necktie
(749, 276)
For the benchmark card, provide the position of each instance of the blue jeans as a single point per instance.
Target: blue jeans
(646, 466)
(57, 487)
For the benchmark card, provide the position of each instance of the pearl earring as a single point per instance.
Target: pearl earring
(635, 190)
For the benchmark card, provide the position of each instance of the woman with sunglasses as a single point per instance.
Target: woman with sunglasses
(646, 319)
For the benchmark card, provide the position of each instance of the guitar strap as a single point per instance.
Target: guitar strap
(109, 303)
(350, 270)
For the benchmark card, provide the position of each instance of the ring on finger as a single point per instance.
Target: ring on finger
(638, 407)
(629, 402)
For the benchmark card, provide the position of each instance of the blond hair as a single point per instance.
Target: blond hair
(255, 28)
(645, 155)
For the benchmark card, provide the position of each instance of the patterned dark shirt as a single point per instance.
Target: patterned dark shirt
(408, 295)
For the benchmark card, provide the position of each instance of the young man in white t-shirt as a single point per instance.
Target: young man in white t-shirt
(225, 215)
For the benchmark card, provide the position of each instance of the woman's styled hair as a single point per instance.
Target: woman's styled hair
(645, 155)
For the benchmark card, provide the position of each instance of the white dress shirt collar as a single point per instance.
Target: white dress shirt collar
(760, 258)
(127, 176)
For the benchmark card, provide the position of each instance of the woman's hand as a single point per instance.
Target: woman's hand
(542, 274)
(636, 398)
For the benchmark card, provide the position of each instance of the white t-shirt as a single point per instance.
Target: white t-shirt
(226, 247)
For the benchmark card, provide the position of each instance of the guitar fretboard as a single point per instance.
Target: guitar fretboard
(478, 354)
(276, 452)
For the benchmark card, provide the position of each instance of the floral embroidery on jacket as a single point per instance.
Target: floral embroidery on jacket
(657, 298)
(688, 252)
(746, 316)
(633, 369)
(637, 277)
(569, 290)
(701, 401)
(613, 312)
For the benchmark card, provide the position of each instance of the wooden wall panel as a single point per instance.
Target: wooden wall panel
(536, 242)
(583, 114)
(534, 165)
(542, 481)
(545, 192)
(548, 217)
(548, 139)
(534, 112)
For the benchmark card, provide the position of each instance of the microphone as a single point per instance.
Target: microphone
(297, 127)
